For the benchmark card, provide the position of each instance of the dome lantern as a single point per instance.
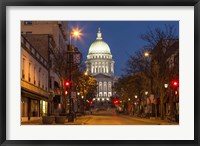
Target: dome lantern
(99, 34)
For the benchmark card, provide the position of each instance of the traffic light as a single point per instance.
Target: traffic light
(116, 101)
(175, 86)
(67, 83)
(67, 87)
(175, 83)
(176, 92)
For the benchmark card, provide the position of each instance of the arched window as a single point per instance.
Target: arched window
(109, 87)
(100, 87)
(105, 87)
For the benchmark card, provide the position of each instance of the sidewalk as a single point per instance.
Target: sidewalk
(155, 121)
(77, 121)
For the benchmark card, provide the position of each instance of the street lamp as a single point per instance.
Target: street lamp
(166, 86)
(146, 92)
(148, 54)
(84, 100)
(86, 73)
(74, 57)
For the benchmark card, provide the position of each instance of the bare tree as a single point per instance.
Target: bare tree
(159, 41)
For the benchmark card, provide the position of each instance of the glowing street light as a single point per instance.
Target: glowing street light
(146, 92)
(166, 86)
(76, 33)
(86, 73)
(146, 54)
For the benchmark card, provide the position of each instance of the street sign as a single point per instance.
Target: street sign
(73, 94)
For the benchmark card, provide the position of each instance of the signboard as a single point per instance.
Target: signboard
(73, 94)
(152, 98)
(77, 58)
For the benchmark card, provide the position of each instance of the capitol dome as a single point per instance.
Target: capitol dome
(99, 46)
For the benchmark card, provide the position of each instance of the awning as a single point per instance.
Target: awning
(32, 95)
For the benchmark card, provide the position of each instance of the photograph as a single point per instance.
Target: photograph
(99, 72)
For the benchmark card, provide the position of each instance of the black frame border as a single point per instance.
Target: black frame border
(5, 3)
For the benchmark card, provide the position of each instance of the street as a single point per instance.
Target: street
(107, 117)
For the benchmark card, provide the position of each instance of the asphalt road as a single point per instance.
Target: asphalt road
(106, 117)
(109, 117)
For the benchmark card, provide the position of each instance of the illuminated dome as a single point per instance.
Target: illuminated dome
(99, 46)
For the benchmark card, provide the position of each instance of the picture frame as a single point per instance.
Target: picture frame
(3, 63)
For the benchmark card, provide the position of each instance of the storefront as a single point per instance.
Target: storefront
(33, 105)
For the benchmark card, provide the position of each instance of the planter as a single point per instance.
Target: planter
(60, 119)
(48, 119)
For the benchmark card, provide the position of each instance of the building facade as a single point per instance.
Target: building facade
(34, 82)
(45, 37)
(100, 65)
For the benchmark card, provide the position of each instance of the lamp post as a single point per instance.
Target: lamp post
(148, 54)
(84, 100)
(74, 57)
(153, 108)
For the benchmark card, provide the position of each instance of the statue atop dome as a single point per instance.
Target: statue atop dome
(99, 37)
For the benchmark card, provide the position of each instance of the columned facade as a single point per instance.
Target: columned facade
(100, 65)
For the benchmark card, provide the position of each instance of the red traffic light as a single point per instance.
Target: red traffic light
(67, 83)
(175, 83)
(176, 92)
(116, 101)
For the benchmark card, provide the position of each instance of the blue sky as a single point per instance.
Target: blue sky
(123, 37)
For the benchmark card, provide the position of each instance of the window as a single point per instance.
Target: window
(23, 64)
(27, 45)
(32, 50)
(105, 87)
(29, 72)
(41, 59)
(29, 32)
(34, 75)
(100, 87)
(39, 77)
(100, 69)
(22, 39)
(27, 22)
(37, 55)
(109, 87)
(46, 83)
(43, 81)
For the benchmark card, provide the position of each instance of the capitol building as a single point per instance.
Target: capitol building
(100, 65)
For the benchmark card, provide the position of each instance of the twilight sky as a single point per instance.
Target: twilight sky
(123, 37)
